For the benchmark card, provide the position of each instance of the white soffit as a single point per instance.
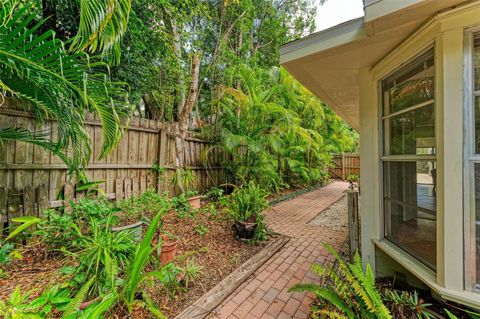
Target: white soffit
(328, 62)
(332, 73)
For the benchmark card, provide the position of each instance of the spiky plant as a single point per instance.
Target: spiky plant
(348, 291)
(55, 84)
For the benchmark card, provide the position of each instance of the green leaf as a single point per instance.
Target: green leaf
(26, 221)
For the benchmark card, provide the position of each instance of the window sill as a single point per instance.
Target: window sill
(427, 276)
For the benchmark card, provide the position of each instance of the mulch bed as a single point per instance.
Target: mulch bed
(217, 251)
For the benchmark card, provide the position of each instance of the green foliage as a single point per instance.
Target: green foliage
(247, 202)
(352, 178)
(274, 130)
(181, 205)
(191, 272)
(350, 292)
(63, 230)
(57, 85)
(102, 254)
(146, 204)
(201, 229)
(411, 300)
(25, 222)
(19, 306)
(185, 179)
(213, 194)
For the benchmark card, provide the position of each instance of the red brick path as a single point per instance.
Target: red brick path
(264, 294)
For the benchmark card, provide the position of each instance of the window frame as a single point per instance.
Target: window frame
(382, 117)
(470, 158)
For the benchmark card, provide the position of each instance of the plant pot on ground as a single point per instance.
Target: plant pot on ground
(168, 249)
(246, 205)
(195, 202)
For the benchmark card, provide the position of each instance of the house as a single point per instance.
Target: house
(407, 77)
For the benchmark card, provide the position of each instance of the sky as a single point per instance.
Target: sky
(333, 12)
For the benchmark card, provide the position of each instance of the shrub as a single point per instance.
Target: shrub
(148, 203)
(246, 204)
(350, 292)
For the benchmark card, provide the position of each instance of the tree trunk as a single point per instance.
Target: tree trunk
(183, 122)
(177, 49)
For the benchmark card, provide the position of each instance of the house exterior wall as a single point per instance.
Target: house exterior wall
(446, 32)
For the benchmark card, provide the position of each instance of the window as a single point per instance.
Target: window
(409, 166)
(473, 162)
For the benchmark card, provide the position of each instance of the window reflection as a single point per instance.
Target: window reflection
(410, 207)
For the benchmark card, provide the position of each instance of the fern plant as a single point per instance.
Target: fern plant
(350, 293)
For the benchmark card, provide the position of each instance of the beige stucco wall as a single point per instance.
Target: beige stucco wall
(446, 33)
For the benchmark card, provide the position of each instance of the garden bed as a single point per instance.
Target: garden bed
(204, 237)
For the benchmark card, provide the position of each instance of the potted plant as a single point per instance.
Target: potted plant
(245, 205)
(187, 181)
(133, 212)
(169, 247)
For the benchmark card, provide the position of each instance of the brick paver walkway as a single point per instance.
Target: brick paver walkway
(265, 294)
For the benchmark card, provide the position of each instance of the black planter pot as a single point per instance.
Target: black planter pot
(245, 230)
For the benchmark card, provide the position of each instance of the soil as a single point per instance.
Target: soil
(217, 251)
(334, 217)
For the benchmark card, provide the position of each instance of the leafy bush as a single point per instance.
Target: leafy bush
(181, 205)
(213, 194)
(102, 255)
(147, 203)
(185, 179)
(247, 202)
(350, 292)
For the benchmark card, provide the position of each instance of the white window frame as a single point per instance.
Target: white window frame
(404, 157)
(470, 158)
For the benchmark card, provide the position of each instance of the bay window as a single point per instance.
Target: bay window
(409, 158)
(473, 161)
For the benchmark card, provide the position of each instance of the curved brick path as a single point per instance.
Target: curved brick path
(264, 294)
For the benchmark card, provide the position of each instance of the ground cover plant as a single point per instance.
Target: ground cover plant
(347, 291)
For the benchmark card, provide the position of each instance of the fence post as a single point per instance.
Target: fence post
(353, 222)
(162, 155)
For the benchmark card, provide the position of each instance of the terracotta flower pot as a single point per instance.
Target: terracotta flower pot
(195, 202)
(169, 249)
(245, 230)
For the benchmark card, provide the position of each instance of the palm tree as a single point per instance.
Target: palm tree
(60, 85)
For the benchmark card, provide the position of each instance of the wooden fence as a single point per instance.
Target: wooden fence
(30, 174)
(344, 165)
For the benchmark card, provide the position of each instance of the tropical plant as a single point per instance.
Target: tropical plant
(349, 292)
(247, 202)
(58, 85)
(274, 130)
(102, 254)
(185, 179)
(25, 222)
(246, 205)
(191, 271)
(146, 204)
(213, 194)
(19, 305)
(410, 300)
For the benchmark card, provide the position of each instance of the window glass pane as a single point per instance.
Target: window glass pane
(476, 62)
(411, 132)
(416, 90)
(477, 218)
(410, 207)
